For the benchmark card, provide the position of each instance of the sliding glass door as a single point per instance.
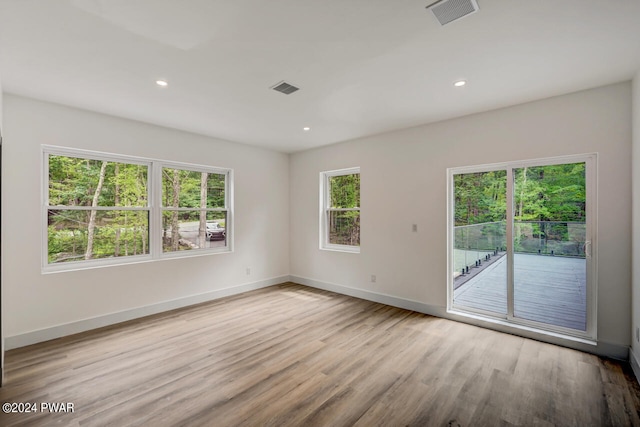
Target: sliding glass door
(521, 243)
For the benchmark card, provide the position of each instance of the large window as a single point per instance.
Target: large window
(109, 209)
(340, 210)
(521, 243)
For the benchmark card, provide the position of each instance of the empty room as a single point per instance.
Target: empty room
(320, 213)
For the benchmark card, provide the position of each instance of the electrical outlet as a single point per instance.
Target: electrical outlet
(373, 278)
(248, 271)
(414, 228)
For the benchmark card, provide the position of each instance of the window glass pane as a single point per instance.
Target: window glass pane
(344, 191)
(216, 185)
(81, 235)
(550, 280)
(190, 189)
(75, 181)
(344, 227)
(195, 229)
(480, 228)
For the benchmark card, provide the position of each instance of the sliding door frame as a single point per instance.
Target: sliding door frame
(590, 160)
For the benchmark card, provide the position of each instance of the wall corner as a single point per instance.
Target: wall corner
(635, 227)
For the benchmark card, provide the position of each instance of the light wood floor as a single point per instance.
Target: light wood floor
(289, 355)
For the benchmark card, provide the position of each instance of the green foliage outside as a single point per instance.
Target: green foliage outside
(551, 193)
(87, 233)
(549, 209)
(542, 193)
(344, 193)
(480, 197)
(75, 182)
(190, 189)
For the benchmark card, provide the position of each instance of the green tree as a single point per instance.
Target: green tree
(344, 193)
(92, 215)
(89, 233)
(551, 193)
(480, 197)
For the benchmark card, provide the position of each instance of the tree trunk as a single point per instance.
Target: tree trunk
(126, 234)
(175, 235)
(92, 217)
(135, 240)
(523, 185)
(144, 240)
(203, 214)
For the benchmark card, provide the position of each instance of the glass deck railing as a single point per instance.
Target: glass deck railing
(476, 244)
(550, 238)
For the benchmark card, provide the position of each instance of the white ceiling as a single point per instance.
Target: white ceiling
(363, 66)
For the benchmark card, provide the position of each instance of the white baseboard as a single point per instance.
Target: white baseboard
(58, 331)
(407, 304)
(614, 351)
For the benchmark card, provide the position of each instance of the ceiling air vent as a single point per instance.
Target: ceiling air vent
(285, 88)
(450, 10)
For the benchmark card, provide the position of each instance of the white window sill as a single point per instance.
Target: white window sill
(341, 248)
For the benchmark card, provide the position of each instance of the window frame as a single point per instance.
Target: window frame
(154, 208)
(325, 201)
(228, 173)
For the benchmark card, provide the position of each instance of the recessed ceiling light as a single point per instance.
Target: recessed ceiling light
(162, 83)
(460, 83)
(306, 129)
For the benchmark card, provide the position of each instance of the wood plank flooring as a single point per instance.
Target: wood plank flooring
(289, 355)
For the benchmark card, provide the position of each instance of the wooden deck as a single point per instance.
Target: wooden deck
(547, 289)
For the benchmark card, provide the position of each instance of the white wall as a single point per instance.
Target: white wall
(403, 176)
(0, 105)
(1, 266)
(635, 343)
(41, 306)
